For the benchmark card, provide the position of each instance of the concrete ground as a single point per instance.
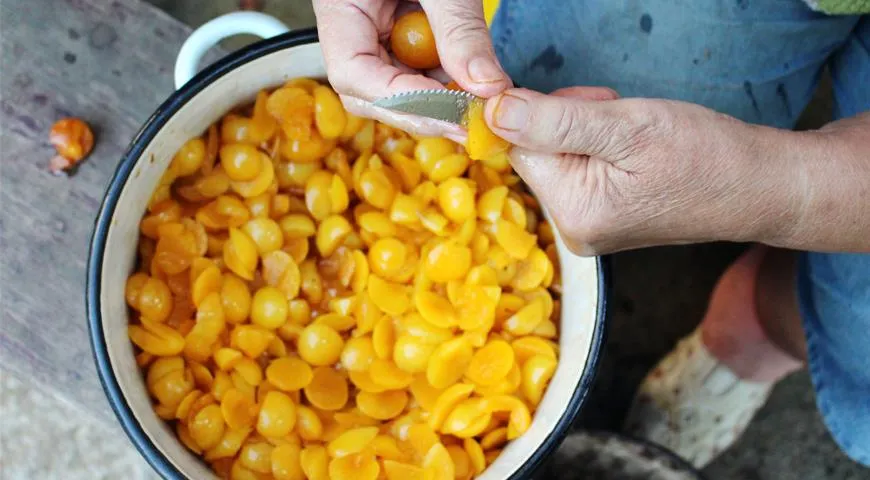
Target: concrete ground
(658, 296)
(36, 422)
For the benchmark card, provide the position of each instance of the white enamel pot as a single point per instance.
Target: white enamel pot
(201, 99)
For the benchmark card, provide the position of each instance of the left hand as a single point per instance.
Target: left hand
(352, 34)
(618, 174)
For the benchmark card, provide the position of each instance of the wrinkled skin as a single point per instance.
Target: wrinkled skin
(618, 174)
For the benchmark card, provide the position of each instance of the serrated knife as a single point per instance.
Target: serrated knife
(444, 105)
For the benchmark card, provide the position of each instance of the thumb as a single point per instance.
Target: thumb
(581, 120)
(541, 171)
(464, 45)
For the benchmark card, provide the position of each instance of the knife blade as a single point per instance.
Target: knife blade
(444, 105)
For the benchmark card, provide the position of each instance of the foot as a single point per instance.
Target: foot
(701, 397)
(694, 405)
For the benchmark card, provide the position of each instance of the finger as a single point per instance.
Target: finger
(557, 181)
(574, 191)
(356, 63)
(440, 75)
(437, 74)
(541, 171)
(574, 121)
(465, 46)
(407, 6)
(410, 123)
(586, 93)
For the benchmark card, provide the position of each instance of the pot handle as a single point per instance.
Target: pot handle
(213, 31)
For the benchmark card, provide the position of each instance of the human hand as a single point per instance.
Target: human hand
(618, 174)
(353, 34)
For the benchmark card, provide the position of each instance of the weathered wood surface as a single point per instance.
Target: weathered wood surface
(109, 63)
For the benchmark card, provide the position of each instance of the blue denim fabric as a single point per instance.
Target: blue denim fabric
(759, 61)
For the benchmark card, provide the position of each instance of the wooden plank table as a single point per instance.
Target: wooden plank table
(109, 63)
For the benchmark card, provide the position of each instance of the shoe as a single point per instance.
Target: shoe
(694, 405)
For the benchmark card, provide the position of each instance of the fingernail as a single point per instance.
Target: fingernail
(484, 70)
(511, 113)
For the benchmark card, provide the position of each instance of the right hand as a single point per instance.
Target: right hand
(352, 36)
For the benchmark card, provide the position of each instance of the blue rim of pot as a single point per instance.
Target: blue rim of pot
(152, 126)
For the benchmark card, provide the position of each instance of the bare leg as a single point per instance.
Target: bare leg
(752, 324)
(703, 394)
(777, 304)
